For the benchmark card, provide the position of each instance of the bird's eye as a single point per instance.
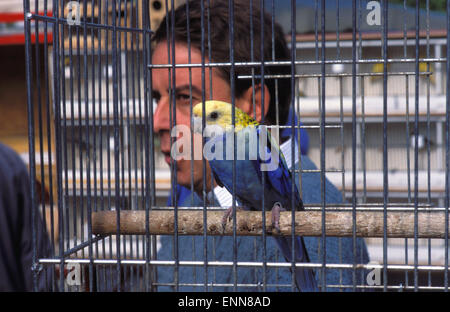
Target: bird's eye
(213, 116)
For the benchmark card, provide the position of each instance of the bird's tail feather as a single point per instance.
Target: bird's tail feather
(304, 277)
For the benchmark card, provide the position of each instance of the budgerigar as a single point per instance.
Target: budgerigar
(250, 161)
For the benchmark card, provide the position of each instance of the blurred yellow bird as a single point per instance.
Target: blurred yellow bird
(423, 68)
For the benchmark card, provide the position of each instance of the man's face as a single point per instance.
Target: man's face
(187, 82)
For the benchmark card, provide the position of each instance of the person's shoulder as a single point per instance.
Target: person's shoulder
(10, 160)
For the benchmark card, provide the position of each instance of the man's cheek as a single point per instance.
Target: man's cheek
(184, 173)
(198, 147)
(164, 139)
(182, 148)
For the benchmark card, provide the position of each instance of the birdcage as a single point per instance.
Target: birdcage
(368, 128)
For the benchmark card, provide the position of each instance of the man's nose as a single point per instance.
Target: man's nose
(161, 117)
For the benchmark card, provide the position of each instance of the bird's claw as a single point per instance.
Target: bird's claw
(276, 209)
(227, 216)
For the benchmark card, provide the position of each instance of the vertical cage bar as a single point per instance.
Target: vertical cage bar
(150, 194)
(363, 137)
(323, 143)
(407, 133)
(341, 123)
(263, 180)
(40, 203)
(192, 132)
(416, 149)
(173, 124)
(57, 100)
(31, 135)
(102, 270)
(49, 145)
(428, 132)
(88, 162)
(95, 79)
(233, 117)
(292, 173)
(447, 147)
(385, 141)
(117, 144)
(204, 185)
(354, 135)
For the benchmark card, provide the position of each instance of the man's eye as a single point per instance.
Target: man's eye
(156, 96)
(183, 97)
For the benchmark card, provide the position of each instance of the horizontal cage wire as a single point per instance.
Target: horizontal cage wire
(129, 103)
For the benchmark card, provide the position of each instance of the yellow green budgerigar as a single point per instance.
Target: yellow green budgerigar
(276, 193)
(220, 113)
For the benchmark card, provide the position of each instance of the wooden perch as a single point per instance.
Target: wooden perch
(249, 223)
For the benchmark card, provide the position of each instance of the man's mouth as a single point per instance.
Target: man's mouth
(167, 158)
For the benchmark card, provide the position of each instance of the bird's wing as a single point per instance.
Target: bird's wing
(279, 179)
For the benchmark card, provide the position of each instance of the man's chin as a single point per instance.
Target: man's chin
(182, 171)
(184, 181)
(186, 177)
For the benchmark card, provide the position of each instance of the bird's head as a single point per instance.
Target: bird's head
(219, 113)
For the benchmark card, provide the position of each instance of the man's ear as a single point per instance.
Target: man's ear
(245, 102)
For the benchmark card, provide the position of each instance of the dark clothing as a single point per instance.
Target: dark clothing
(16, 245)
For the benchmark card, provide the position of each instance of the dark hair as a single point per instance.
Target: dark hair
(218, 11)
